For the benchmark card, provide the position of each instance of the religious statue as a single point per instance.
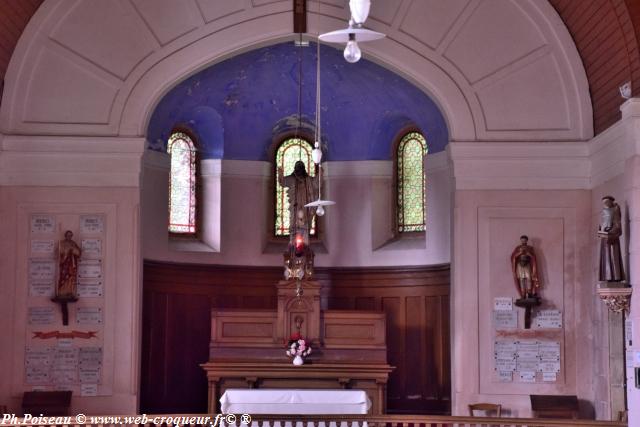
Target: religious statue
(301, 189)
(525, 269)
(611, 268)
(68, 256)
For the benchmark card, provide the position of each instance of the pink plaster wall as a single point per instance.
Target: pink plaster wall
(120, 332)
(356, 230)
(487, 226)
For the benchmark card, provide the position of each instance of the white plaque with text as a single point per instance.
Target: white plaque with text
(90, 269)
(549, 376)
(43, 224)
(42, 247)
(38, 356)
(505, 319)
(91, 248)
(548, 319)
(41, 288)
(88, 389)
(503, 304)
(89, 287)
(528, 376)
(41, 270)
(505, 377)
(91, 224)
(37, 374)
(89, 315)
(41, 315)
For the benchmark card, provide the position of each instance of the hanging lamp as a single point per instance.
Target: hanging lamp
(354, 33)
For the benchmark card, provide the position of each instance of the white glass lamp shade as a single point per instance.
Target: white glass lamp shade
(342, 36)
(316, 154)
(359, 10)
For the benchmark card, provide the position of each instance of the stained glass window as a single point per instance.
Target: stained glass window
(410, 180)
(288, 153)
(182, 184)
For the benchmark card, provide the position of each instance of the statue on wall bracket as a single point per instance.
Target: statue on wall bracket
(525, 273)
(66, 289)
(612, 289)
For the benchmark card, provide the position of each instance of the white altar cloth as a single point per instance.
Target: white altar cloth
(294, 401)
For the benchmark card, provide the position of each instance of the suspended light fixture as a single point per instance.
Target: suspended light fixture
(316, 154)
(354, 33)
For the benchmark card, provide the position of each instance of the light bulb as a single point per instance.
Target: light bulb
(320, 211)
(352, 52)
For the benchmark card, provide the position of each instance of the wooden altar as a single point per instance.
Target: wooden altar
(247, 347)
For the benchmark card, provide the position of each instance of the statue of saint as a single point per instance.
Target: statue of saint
(68, 256)
(611, 268)
(525, 269)
(301, 189)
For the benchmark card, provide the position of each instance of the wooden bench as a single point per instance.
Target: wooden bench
(550, 406)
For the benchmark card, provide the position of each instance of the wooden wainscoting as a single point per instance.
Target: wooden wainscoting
(176, 326)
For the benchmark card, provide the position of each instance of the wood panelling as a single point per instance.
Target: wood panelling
(176, 326)
(606, 35)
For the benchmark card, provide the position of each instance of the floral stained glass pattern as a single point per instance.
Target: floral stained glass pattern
(182, 184)
(288, 153)
(411, 182)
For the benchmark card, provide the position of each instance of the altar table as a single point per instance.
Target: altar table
(294, 401)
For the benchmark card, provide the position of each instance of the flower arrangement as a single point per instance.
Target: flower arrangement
(298, 346)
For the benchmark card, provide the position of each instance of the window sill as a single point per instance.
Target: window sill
(189, 245)
(405, 241)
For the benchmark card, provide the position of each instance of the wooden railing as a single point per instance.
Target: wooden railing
(180, 420)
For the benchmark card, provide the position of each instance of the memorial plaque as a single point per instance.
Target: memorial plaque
(41, 315)
(42, 247)
(43, 224)
(91, 248)
(505, 346)
(37, 374)
(549, 350)
(503, 304)
(528, 376)
(64, 374)
(91, 224)
(505, 364)
(90, 269)
(41, 270)
(90, 364)
(89, 287)
(89, 315)
(628, 332)
(88, 390)
(527, 365)
(505, 320)
(549, 376)
(548, 319)
(41, 289)
(38, 356)
(505, 377)
(549, 366)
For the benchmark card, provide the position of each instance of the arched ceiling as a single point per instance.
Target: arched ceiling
(606, 34)
(362, 99)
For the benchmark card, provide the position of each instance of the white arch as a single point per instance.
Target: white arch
(82, 68)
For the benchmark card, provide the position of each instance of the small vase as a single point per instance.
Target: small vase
(298, 360)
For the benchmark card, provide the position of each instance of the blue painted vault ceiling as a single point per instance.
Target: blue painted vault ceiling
(236, 107)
